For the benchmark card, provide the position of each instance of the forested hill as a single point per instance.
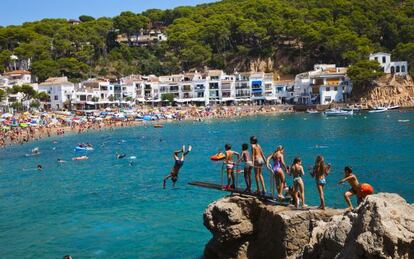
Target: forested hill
(280, 35)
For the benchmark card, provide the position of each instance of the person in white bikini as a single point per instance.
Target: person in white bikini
(229, 162)
(258, 162)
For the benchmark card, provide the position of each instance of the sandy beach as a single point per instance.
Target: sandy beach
(18, 130)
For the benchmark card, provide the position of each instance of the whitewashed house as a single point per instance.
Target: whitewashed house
(324, 85)
(60, 91)
(388, 66)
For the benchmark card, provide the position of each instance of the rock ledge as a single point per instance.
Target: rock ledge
(244, 227)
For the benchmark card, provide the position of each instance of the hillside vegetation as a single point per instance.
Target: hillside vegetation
(273, 35)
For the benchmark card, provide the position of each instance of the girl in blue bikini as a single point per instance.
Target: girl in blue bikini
(320, 171)
(296, 170)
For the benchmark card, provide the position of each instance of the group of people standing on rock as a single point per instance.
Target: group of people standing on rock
(275, 163)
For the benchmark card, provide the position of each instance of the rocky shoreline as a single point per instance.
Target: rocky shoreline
(245, 227)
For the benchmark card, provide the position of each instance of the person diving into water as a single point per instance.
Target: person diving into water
(178, 163)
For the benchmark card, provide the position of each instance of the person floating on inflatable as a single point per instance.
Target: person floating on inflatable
(360, 190)
(178, 163)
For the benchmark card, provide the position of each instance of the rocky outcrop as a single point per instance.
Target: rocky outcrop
(389, 90)
(381, 227)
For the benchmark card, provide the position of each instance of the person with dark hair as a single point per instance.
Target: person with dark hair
(298, 186)
(351, 178)
(319, 172)
(258, 160)
(277, 169)
(178, 163)
(229, 162)
(246, 159)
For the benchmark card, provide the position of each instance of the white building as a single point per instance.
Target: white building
(388, 66)
(324, 85)
(60, 91)
(16, 77)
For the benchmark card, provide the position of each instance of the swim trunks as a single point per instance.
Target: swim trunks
(322, 181)
(248, 165)
(259, 162)
(230, 166)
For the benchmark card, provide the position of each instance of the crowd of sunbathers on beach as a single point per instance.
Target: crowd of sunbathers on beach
(275, 163)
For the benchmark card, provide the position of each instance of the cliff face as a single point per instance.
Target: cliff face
(388, 90)
(381, 227)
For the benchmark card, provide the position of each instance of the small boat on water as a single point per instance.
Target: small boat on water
(393, 107)
(158, 126)
(378, 109)
(338, 112)
(312, 111)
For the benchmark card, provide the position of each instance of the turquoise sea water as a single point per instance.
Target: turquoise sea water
(107, 209)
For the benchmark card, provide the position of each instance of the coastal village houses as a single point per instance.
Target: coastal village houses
(325, 84)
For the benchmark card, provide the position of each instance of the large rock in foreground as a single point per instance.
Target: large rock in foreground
(381, 227)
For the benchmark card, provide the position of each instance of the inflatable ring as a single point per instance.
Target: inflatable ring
(218, 157)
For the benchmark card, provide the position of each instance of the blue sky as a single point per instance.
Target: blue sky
(15, 12)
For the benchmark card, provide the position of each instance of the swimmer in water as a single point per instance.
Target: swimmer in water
(39, 168)
(35, 151)
(80, 158)
(178, 163)
(120, 156)
(61, 160)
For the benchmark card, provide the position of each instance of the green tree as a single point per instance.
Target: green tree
(34, 104)
(28, 92)
(130, 23)
(43, 97)
(167, 97)
(363, 73)
(18, 106)
(86, 18)
(43, 69)
(3, 95)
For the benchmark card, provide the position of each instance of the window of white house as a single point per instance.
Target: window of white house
(56, 97)
(397, 69)
(383, 59)
(403, 69)
(336, 88)
(328, 99)
(328, 89)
